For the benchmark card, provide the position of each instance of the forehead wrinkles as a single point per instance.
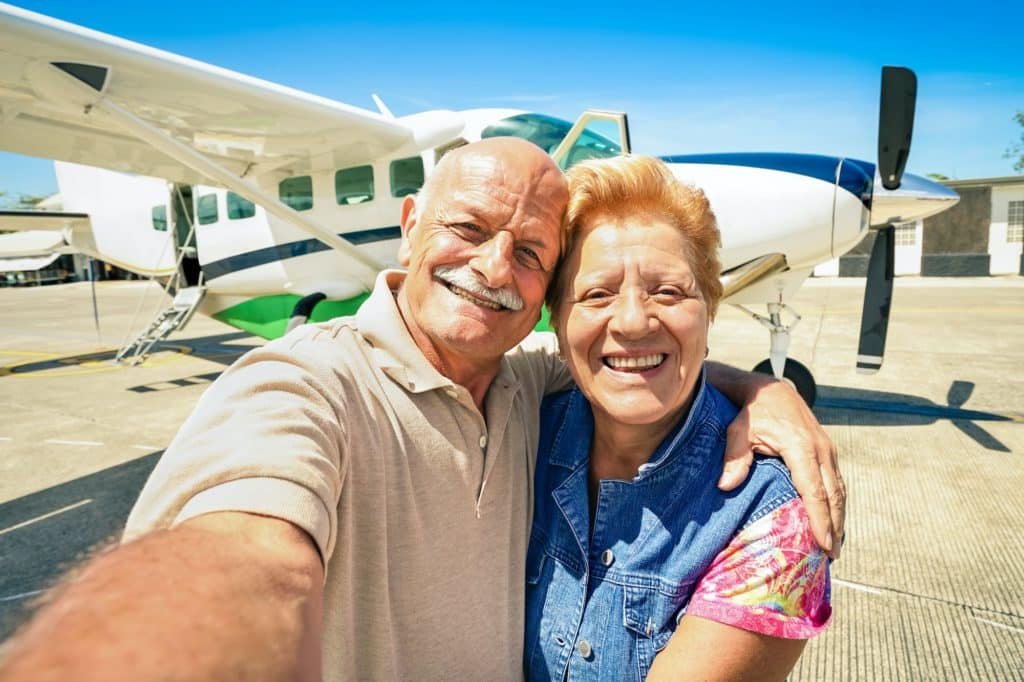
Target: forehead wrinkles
(506, 191)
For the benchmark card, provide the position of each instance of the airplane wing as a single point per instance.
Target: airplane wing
(25, 220)
(248, 126)
(28, 244)
(33, 250)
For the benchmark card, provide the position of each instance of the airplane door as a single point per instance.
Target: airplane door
(595, 135)
(184, 234)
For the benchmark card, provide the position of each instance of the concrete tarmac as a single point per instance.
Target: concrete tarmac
(930, 585)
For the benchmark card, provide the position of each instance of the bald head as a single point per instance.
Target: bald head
(511, 163)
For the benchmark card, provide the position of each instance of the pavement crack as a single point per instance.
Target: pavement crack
(867, 587)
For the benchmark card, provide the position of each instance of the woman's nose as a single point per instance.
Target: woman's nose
(630, 316)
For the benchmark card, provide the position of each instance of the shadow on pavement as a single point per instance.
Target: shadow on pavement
(45, 533)
(861, 407)
(217, 348)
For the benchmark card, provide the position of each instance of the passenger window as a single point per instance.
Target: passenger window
(206, 209)
(160, 218)
(297, 192)
(240, 207)
(406, 176)
(354, 185)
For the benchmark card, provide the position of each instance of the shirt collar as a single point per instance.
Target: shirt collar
(394, 350)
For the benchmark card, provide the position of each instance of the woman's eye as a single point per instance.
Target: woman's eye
(596, 296)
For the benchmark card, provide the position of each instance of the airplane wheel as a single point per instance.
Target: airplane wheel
(796, 374)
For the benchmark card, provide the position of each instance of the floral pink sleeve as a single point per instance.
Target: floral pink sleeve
(772, 578)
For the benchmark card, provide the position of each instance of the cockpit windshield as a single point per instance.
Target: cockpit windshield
(547, 132)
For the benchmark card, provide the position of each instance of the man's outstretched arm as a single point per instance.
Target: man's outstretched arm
(227, 595)
(774, 419)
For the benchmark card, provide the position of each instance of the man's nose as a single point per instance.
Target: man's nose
(492, 260)
(630, 316)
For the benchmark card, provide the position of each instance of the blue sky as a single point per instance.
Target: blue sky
(727, 76)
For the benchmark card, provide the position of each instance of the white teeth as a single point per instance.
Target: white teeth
(635, 363)
(462, 293)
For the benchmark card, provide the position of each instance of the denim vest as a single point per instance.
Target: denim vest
(599, 607)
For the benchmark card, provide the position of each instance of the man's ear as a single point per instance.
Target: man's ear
(408, 223)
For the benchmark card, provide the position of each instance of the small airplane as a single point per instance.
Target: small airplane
(272, 206)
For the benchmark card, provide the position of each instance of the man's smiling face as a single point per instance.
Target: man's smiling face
(480, 247)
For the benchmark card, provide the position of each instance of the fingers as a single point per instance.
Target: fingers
(835, 488)
(807, 479)
(738, 454)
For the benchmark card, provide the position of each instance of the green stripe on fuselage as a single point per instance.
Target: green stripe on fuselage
(268, 316)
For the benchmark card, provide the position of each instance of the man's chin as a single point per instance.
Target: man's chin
(474, 338)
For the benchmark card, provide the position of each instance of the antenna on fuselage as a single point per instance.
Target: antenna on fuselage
(383, 108)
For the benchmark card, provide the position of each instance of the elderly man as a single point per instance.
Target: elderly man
(354, 500)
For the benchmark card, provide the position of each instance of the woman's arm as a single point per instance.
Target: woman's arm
(737, 654)
(751, 613)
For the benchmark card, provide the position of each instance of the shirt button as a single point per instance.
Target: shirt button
(583, 648)
(607, 557)
(483, 441)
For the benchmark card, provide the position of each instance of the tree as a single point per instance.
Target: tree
(1016, 150)
(19, 201)
(939, 176)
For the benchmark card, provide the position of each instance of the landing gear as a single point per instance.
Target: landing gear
(303, 309)
(797, 375)
(777, 364)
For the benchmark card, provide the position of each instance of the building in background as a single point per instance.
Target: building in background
(980, 236)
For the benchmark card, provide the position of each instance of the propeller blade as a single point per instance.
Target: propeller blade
(874, 320)
(895, 123)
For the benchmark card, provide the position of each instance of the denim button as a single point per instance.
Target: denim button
(583, 648)
(607, 557)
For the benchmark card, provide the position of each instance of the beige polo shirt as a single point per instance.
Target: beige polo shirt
(420, 505)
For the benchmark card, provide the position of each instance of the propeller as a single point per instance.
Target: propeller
(895, 129)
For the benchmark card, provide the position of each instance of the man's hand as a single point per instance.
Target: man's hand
(774, 420)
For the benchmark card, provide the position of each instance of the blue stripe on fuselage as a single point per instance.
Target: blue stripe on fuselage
(252, 259)
(856, 177)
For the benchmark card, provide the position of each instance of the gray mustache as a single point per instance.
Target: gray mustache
(464, 278)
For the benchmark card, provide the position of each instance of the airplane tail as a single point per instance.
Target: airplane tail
(122, 219)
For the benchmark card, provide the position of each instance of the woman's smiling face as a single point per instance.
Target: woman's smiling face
(632, 322)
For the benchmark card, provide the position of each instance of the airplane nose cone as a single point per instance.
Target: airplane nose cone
(916, 198)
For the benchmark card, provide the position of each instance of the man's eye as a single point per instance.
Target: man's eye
(529, 257)
(467, 230)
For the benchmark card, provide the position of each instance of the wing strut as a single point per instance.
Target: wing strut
(188, 156)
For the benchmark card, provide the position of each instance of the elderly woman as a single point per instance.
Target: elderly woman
(638, 564)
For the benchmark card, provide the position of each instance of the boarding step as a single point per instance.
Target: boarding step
(169, 320)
